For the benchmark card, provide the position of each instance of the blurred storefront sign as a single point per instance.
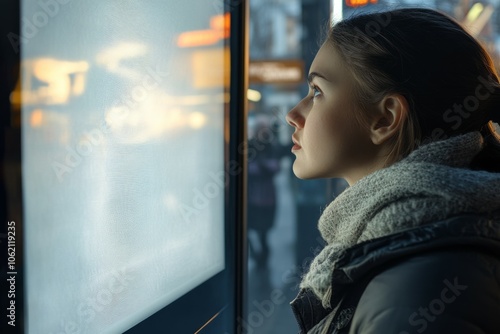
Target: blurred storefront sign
(219, 30)
(358, 3)
(277, 72)
(50, 81)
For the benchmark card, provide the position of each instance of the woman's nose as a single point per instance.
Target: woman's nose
(293, 117)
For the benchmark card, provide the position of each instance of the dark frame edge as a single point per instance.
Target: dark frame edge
(239, 42)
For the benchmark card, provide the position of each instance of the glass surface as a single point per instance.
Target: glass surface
(282, 210)
(123, 153)
(283, 213)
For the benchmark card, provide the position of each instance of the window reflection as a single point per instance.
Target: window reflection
(50, 81)
(290, 33)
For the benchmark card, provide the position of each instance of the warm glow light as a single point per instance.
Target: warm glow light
(201, 38)
(220, 22)
(78, 85)
(254, 95)
(193, 100)
(358, 3)
(477, 18)
(474, 12)
(219, 30)
(36, 118)
(15, 95)
(494, 129)
(197, 120)
(206, 65)
(56, 73)
(61, 79)
(158, 116)
(151, 119)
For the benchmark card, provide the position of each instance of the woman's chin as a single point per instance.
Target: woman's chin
(297, 171)
(302, 173)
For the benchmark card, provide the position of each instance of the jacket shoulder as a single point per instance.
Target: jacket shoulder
(441, 291)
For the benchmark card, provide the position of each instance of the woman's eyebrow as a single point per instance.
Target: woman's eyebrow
(312, 75)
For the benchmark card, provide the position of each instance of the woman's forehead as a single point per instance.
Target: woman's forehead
(327, 62)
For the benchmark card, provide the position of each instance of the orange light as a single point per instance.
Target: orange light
(36, 118)
(359, 3)
(220, 22)
(206, 65)
(220, 29)
(197, 38)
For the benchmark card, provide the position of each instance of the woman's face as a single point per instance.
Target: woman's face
(329, 141)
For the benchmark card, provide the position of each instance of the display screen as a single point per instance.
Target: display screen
(122, 156)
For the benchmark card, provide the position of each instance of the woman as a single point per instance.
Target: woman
(401, 105)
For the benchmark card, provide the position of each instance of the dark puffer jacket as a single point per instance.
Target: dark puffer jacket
(443, 277)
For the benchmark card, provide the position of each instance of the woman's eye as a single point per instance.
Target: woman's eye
(316, 92)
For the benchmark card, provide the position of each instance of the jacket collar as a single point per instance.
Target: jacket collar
(480, 232)
(469, 230)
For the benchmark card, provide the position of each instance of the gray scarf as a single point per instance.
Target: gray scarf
(431, 184)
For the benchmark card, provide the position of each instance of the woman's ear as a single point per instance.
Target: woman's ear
(390, 115)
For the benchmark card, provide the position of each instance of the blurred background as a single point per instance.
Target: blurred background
(283, 214)
(116, 126)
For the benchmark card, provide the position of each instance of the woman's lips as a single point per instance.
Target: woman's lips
(296, 145)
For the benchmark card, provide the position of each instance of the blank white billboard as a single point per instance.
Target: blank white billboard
(123, 154)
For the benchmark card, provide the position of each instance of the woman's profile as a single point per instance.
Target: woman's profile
(403, 105)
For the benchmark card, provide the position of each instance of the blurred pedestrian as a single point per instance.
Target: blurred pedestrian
(263, 164)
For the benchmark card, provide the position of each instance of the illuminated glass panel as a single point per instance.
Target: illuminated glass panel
(123, 153)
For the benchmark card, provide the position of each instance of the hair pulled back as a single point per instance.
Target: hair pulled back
(447, 77)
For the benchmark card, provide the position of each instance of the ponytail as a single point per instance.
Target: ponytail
(489, 158)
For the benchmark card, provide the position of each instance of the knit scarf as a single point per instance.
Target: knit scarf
(431, 184)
